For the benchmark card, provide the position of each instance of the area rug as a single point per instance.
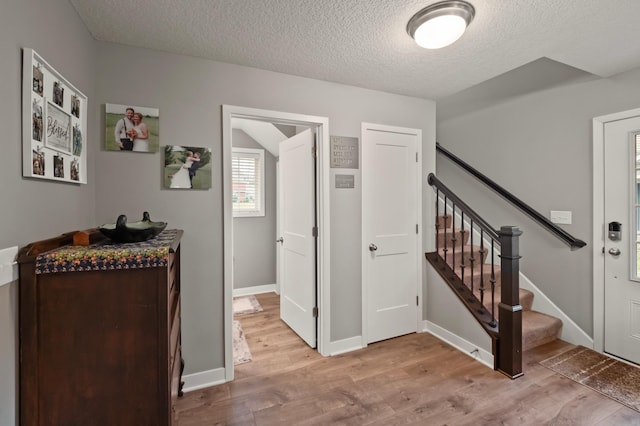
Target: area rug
(612, 378)
(241, 352)
(246, 305)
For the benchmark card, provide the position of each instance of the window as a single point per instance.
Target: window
(248, 182)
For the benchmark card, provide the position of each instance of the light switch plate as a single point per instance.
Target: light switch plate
(560, 217)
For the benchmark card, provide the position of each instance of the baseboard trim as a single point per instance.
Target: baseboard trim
(203, 379)
(345, 345)
(258, 289)
(464, 346)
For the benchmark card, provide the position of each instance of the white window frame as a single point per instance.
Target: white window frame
(260, 181)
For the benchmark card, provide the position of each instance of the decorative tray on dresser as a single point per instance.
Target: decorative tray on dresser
(100, 330)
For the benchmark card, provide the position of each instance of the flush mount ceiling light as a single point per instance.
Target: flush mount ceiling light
(440, 24)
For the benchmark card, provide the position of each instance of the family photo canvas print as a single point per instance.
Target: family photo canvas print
(187, 167)
(132, 128)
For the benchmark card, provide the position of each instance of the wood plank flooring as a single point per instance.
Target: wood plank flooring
(414, 379)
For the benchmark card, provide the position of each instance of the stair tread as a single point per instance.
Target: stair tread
(538, 329)
(525, 296)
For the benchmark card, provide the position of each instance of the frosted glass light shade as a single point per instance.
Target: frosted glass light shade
(440, 24)
(440, 31)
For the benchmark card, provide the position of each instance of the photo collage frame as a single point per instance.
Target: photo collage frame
(54, 124)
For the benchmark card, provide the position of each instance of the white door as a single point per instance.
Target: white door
(298, 218)
(390, 211)
(622, 269)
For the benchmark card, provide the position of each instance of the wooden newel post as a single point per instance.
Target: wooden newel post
(509, 311)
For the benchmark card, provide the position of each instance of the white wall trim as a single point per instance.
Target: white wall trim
(258, 289)
(598, 221)
(8, 265)
(203, 379)
(323, 186)
(464, 346)
(345, 345)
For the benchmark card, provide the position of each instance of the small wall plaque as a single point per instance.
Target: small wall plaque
(344, 152)
(345, 181)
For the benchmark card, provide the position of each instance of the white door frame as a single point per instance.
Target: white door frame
(598, 221)
(419, 219)
(322, 210)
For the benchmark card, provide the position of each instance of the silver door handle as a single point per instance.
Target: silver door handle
(614, 251)
(280, 240)
(373, 247)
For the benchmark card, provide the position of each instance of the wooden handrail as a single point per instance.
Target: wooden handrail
(563, 235)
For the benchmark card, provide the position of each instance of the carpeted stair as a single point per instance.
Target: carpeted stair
(470, 263)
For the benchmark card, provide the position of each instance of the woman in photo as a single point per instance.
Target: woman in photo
(139, 134)
(182, 179)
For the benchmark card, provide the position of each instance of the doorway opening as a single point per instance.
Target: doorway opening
(234, 116)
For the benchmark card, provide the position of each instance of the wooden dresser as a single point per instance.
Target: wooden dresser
(100, 331)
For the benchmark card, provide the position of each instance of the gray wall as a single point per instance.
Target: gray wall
(254, 246)
(35, 209)
(189, 93)
(539, 147)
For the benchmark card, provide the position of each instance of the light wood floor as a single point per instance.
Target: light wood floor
(414, 379)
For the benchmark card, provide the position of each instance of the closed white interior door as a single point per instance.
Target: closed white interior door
(621, 266)
(298, 219)
(390, 211)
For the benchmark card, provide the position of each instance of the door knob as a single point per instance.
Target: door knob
(373, 247)
(614, 251)
(280, 240)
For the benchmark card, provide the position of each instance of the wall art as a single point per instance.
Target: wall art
(54, 123)
(187, 167)
(131, 128)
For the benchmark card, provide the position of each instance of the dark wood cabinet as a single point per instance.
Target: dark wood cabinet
(100, 332)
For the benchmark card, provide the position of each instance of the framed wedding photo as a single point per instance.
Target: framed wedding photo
(130, 128)
(54, 123)
(186, 167)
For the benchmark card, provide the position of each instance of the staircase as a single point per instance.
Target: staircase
(472, 264)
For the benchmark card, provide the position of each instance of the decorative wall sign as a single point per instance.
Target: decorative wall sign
(54, 123)
(344, 152)
(345, 181)
(57, 129)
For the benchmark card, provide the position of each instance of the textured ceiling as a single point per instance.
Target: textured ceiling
(364, 42)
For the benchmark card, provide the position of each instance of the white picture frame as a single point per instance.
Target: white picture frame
(54, 124)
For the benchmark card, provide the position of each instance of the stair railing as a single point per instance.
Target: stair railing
(461, 270)
(563, 235)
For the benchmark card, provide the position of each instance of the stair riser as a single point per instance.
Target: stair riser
(444, 221)
(455, 259)
(457, 239)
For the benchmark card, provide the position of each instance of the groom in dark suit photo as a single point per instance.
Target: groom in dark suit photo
(194, 166)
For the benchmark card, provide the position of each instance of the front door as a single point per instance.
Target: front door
(390, 212)
(298, 219)
(622, 238)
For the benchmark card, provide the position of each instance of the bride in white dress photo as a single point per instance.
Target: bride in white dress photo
(181, 178)
(139, 134)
